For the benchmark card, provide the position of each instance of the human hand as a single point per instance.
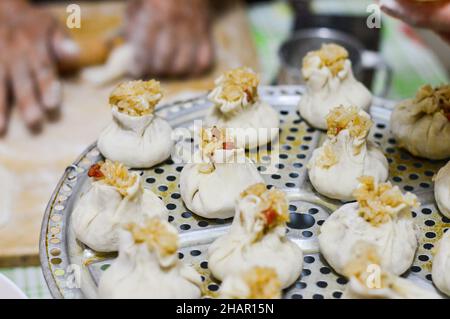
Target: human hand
(169, 37)
(31, 44)
(434, 15)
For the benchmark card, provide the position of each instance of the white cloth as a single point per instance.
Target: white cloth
(325, 92)
(136, 141)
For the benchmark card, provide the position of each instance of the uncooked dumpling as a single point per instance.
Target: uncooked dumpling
(137, 137)
(257, 237)
(368, 279)
(256, 283)
(381, 217)
(421, 124)
(115, 197)
(209, 186)
(346, 155)
(148, 266)
(441, 264)
(442, 190)
(330, 83)
(238, 106)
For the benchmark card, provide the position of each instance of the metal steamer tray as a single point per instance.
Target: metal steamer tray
(72, 270)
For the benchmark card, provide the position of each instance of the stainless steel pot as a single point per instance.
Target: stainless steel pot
(295, 48)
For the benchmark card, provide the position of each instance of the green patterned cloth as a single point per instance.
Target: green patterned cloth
(29, 279)
(271, 24)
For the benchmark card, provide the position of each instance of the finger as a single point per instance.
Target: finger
(3, 80)
(445, 36)
(3, 100)
(184, 56)
(49, 89)
(433, 15)
(204, 56)
(144, 42)
(164, 51)
(48, 86)
(132, 9)
(23, 88)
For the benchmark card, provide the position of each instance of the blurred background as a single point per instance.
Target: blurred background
(55, 80)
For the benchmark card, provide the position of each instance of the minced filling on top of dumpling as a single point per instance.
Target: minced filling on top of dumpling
(273, 205)
(434, 100)
(114, 174)
(378, 203)
(155, 233)
(348, 118)
(239, 82)
(263, 283)
(136, 98)
(331, 55)
(211, 140)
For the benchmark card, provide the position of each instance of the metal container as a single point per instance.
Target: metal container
(72, 270)
(293, 50)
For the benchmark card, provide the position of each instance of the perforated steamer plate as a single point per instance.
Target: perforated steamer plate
(63, 259)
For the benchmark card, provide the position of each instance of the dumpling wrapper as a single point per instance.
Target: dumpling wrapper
(441, 264)
(442, 190)
(421, 124)
(256, 283)
(237, 106)
(250, 243)
(390, 229)
(102, 210)
(345, 156)
(368, 280)
(137, 138)
(209, 189)
(329, 83)
(148, 266)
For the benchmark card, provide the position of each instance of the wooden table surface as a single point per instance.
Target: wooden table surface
(30, 165)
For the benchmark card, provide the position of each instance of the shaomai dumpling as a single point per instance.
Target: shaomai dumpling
(116, 196)
(441, 264)
(421, 124)
(330, 82)
(209, 187)
(346, 155)
(148, 266)
(256, 283)
(137, 137)
(368, 279)
(257, 238)
(381, 217)
(442, 190)
(237, 106)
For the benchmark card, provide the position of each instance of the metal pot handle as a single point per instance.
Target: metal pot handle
(373, 60)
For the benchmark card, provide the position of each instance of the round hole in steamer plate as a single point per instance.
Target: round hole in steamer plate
(185, 227)
(415, 269)
(337, 294)
(300, 221)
